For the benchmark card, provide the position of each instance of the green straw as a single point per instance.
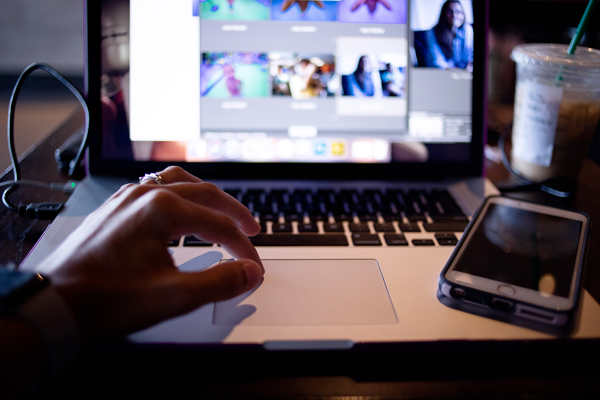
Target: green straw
(581, 28)
(576, 39)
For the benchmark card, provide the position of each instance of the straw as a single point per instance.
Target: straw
(576, 39)
(581, 28)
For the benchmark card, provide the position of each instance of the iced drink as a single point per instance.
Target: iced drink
(557, 108)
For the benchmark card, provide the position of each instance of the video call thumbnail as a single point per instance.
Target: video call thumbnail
(235, 74)
(443, 39)
(302, 76)
(375, 75)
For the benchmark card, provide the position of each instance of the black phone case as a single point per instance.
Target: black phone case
(494, 306)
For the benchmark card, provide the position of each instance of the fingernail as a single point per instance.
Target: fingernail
(254, 274)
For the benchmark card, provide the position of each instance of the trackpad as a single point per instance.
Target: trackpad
(312, 292)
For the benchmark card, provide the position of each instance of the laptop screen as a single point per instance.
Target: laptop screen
(290, 82)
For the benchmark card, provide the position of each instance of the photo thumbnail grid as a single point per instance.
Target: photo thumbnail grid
(301, 76)
(351, 11)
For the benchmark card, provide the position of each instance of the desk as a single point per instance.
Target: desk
(540, 369)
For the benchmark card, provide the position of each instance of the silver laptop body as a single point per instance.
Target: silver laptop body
(376, 117)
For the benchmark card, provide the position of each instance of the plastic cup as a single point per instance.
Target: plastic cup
(557, 107)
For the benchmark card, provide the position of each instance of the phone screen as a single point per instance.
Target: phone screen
(523, 248)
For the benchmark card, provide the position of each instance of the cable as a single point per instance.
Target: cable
(39, 210)
(64, 187)
(45, 210)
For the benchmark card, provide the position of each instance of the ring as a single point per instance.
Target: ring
(152, 177)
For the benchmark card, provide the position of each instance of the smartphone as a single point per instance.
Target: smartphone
(520, 262)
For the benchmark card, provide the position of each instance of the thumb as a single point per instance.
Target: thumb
(222, 282)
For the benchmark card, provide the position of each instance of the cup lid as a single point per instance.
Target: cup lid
(555, 56)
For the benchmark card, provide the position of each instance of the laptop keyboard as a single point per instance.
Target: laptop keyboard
(350, 217)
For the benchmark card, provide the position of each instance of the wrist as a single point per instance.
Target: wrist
(31, 298)
(50, 316)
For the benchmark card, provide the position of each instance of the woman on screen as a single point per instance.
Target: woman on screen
(359, 83)
(449, 44)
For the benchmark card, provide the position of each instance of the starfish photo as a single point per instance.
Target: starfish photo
(303, 4)
(371, 5)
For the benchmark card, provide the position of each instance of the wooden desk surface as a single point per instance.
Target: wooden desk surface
(541, 369)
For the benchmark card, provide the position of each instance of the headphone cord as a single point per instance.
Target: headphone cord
(46, 210)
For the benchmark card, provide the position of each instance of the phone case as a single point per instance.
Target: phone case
(507, 309)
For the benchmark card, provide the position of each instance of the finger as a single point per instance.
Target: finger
(319, 4)
(119, 193)
(155, 298)
(221, 282)
(174, 174)
(303, 4)
(210, 196)
(164, 215)
(186, 291)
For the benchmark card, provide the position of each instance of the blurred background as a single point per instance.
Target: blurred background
(51, 31)
(513, 22)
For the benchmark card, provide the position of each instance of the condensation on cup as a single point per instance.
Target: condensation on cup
(557, 107)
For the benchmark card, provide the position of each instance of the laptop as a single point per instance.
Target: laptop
(349, 129)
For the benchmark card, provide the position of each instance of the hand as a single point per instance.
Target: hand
(371, 5)
(115, 271)
(303, 4)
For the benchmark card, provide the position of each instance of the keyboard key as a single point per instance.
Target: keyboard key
(385, 227)
(449, 218)
(446, 239)
(367, 217)
(366, 239)
(333, 227)
(317, 216)
(395, 240)
(299, 240)
(174, 242)
(309, 227)
(423, 242)
(445, 235)
(285, 227)
(292, 217)
(415, 217)
(193, 241)
(445, 226)
(447, 242)
(359, 227)
(268, 216)
(410, 227)
(342, 217)
(392, 217)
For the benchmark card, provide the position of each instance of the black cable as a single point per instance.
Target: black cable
(39, 210)
(529, 184)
